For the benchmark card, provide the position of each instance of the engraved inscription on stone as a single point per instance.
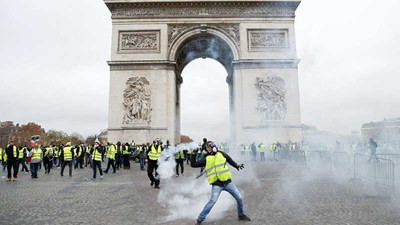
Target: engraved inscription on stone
(267, 39)
(271, 98)
(137, 101)
(148, 41)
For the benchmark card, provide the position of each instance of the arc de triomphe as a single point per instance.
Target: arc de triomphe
(153, 40)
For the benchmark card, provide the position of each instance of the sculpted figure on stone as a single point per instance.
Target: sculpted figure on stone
(137, 101)
(271, 104)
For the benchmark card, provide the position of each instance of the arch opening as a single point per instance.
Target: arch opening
(204, 46)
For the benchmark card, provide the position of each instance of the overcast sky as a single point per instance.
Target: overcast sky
(53, 68)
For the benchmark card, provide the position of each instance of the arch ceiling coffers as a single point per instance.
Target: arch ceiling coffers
(191, 41)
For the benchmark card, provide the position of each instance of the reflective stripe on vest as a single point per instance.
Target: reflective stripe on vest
(67, 153)
(96, 155)
(126, 150)
(180, 155)
(21, 153)
(216, 168)
(262, 148)
(155, 154)
(111, 152)
(37, 153)
(15, 151)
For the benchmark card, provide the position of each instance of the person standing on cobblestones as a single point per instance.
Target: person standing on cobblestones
(111, 157)
(67, 154)
(153, 154)
(22, 159)
(97, 158)
(12, 160)
(36, 157)
(219, 177)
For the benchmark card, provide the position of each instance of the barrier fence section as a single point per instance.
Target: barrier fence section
(329, 161)
(292, 156)
(374, 169)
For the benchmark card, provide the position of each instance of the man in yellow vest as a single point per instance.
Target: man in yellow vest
(79, 156)
(36, 157)
(67, 154)
(219, 177)
(261, 149)
(110, 155)
(22, 158)
(179, 159)
(48, 159)
(12, 160)
(4, 159)
(97, 157)
(153, 153)
(126, 152)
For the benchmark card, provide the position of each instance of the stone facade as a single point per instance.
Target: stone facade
(153, 41)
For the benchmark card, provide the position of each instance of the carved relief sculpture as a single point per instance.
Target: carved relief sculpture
(137, 101)
(139, 40)
(271, 104)
(267, 39)
(177, 29)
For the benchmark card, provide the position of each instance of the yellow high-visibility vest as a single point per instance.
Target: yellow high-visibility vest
(96, 155)
(180, 155)
(155, 154)
(37, 153)
(67, 153)
(216, 168)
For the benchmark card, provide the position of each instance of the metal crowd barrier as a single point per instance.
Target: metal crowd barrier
(374, 169)
(292, 156)
(329, 161)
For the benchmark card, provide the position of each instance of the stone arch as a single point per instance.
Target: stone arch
(204, 39)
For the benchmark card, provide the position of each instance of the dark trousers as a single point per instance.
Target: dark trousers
(188, 156)
(24, 167)
(118, 160)
(65, 163)
(152, 166)
(79, 161)
(34, 169)
(179, 162)
(127, 165)
(47, 165)
(98, 165)
(111, 162)
(14, 165)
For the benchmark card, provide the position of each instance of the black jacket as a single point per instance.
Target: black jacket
(202, 162)
(10, 153)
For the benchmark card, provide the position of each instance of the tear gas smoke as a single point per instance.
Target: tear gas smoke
(185, 197)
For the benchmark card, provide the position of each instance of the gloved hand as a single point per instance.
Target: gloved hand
(240, 167)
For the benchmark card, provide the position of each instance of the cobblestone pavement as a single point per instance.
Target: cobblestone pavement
(285, 194)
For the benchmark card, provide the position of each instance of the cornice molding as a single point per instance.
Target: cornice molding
(150, 10)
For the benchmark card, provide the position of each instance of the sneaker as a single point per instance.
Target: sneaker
(105, 171)
(8, 179)
(157, 187)
(152, 183)
(197, 222)
(61, 175)
(101, 177)
(176, 175)
(15, 179)
(244, 218)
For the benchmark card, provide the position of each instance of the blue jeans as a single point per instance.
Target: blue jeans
(215, 192)
(141, 164)
(34, 169)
